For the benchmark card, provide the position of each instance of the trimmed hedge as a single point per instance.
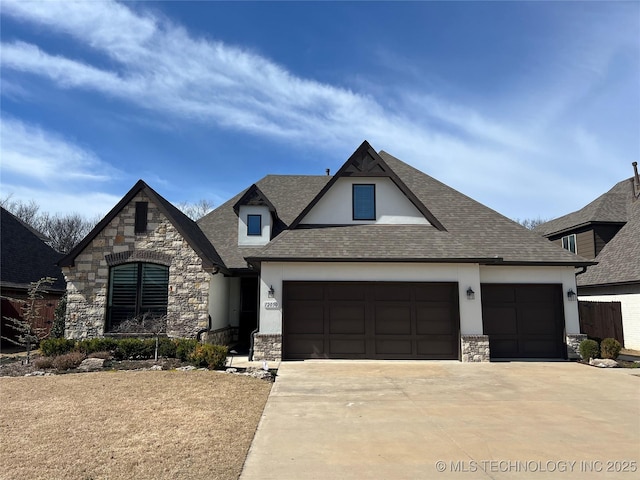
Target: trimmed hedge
(610, 348)
(589, 349)
(209, 356)
(52, 347)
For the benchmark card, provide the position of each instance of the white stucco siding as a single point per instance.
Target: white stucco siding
(219, 301)
(563, 275)
(274, 273)
(630, 306)
(392, 206)
(244, 212)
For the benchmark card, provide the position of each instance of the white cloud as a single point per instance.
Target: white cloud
(29, 151)
(157, 65)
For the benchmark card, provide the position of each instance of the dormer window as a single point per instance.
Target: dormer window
(569, 243)
(364, 202)
(254, 224)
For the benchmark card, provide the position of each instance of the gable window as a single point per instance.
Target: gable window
(136, 289)
(569, 243)
(364, 202)
(141, 217)
(254, 224)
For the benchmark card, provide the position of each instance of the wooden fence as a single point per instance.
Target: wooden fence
(601, 320)
(13, 308)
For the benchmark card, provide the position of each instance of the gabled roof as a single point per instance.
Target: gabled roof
(471, 232)
(187, 228)
(619, 260)
(25, 258)
(610, 207)
(254, 196)
(365, 162)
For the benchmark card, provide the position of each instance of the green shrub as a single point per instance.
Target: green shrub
(185, 347)
(589, 349)
(56, 346)
(167, 348)
(135, 349)
(610, 348)
(210, 356)
(105, 355)
(68, 360)
(93, 345)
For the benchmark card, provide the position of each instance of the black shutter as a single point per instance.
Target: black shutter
(155, 289)
(141, 217)
(122, 294)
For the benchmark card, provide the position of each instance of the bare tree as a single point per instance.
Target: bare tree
(531, 223)
(27, 333)
(146, 323)
(27, 212)
(197, 210)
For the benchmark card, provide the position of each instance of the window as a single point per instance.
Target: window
(569, 243)
(135, 289)
(141, 217)
(254, 224)
(364, 202)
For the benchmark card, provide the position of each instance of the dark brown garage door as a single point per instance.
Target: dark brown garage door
(523, 321)
(370, 320)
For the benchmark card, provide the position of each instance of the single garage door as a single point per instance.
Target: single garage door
(381, 320)
(523, 321)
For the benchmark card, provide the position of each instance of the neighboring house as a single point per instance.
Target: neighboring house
(26, 258)
(607, 229)
(377, 261)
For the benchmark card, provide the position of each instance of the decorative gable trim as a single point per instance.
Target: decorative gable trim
(189, 230)
(254, 196)
(365, 162)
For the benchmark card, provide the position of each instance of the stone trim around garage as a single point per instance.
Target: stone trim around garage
(573, 345)
(267, 346)
(475, 348)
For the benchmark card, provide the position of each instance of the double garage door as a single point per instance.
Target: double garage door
(403, 320)
(380, 320)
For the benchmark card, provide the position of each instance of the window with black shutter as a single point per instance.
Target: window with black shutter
(136, 289)
(141, 217)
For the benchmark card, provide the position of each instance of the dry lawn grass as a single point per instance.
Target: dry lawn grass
(125, 425)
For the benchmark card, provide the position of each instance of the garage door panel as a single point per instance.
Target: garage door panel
(523, 320)
(347, 318)
(309, 317)
(370, 320)
(434, 320)
(392, 319)
(500, 320)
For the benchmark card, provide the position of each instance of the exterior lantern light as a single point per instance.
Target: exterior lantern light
(571, 295)
(470, 294)
(271, 292)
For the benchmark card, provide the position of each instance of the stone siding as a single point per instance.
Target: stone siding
(267, 347)
(117, 243)
(475, 348)
(573, 345)
(222, 336)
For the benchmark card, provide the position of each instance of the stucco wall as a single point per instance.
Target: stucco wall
(630, 305)
(219, 301)
(392, 206)
(87, 286)
(265, 214)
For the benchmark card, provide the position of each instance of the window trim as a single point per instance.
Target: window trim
(249, 234)
(353, 201)
(568, 241)
(137, 306)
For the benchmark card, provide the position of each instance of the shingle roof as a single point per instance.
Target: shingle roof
(289, 194)
(610, 207)
(25, 258)
(619, 260)
(472, 232)
(187, 228)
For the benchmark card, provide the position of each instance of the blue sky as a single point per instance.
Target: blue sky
(531, 108)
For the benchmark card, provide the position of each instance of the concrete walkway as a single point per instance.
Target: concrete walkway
(422, 420)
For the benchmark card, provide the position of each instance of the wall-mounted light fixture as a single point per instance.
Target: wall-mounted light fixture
(470, 294)
(571, 295)
(271, 292)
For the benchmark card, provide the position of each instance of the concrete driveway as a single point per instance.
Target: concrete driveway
(415, 420)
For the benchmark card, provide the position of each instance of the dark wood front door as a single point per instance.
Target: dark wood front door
(523, 321)
(383, 320)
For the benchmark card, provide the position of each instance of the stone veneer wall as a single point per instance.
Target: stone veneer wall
(267, 346)
(222, 336)
(573, 344)
(87, 280)
(475, 348)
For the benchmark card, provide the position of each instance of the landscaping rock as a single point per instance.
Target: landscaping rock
(156, 367)
(37, 373)
(91, 364)
(186, 368)
(231, 370)
(603, 362)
